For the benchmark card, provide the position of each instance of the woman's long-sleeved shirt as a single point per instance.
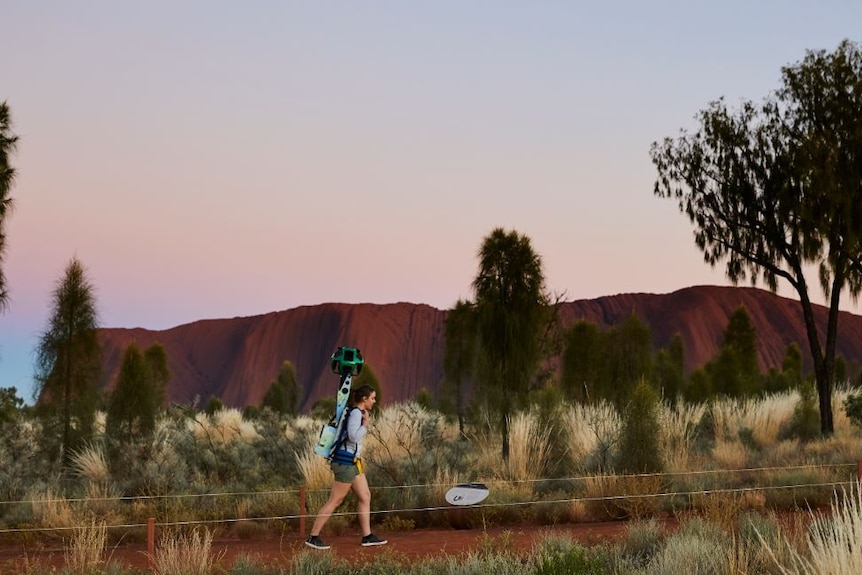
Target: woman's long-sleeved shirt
(355, 432)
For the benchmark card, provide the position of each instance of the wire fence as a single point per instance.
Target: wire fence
(851, 470)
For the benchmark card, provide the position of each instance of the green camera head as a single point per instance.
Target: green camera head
(347, 360)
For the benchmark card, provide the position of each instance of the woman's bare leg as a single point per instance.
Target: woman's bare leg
(336, 496)
(363, 494)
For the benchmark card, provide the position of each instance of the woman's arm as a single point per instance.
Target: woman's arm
(355, 430)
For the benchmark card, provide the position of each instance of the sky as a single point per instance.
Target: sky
(213, 159)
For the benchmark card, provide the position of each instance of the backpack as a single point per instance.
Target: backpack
(337, 454)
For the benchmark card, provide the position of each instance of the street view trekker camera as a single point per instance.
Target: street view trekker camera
(347, 360)
(345, 363)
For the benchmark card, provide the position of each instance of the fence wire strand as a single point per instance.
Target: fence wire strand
(668, 494)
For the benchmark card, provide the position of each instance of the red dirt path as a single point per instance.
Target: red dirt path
(406, 545)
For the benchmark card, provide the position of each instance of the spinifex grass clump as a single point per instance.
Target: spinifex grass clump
(576, 559)
(642, 540)
(834, 540)
(763, 416)
(679, 424)
(85, 549)
(697, 547)
(52, 510)
(185, 553)
(529, 448)
(590, 431)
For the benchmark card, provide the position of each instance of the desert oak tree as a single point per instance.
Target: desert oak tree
(69, 363)
(511, 313)
(775, 188)
(460, 358)
(8, 142)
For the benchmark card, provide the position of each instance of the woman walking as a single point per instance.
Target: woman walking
(347, 467)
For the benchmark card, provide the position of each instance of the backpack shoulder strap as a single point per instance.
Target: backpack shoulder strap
(342, 430)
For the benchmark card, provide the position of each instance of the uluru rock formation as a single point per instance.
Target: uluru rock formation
(236, 359)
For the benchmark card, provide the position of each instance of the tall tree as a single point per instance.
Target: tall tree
(791, 365)
(670, 369)
(583, 354)
(734, 372)
(511, 309)
(68, 363)
(459, 358)
(640, 440)
(628, 359)
(10, 404)
(283, 394)
(8, 142)
(157, 360)
(138, 395)
(777, 187)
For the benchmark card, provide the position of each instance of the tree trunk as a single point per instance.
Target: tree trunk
(827, 427)
(504, 427)
(822, 364)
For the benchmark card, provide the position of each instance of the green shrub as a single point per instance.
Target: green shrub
(640, 446)
(246, 565)
(761, 536)
(853, 408)
(478, 564)
(798, 489)
(552, 512)
(276, 451)
(643, 539)
(704, 433)
(316, 563)
(394, 522)
(804, 424)
(21, 465)
(695, 548)
(747, 439)
(576, 560)
(496, 546)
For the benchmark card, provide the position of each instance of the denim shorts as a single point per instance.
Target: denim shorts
(344, 472)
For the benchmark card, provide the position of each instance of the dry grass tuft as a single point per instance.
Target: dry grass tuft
(729, 454)
(591, 428)
(50, 510)
(834, 541)
(90, 463)
(222, 427)
(315, 469)
(444, 479)
(725, 509)
(679, 425)
(529, 447)
(186, 554)
(600, 497)
(85, 549)
(764, 416)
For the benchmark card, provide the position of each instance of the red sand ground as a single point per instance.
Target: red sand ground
(406, 545)
(403, 545)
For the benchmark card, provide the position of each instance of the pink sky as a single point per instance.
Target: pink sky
(215, 159)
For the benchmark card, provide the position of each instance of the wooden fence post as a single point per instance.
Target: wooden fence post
(302, 511)
(151, 542)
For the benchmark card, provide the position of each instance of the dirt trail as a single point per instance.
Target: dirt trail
(406, 545)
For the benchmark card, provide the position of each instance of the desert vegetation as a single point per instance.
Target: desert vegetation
(563, 425)
(724, 468)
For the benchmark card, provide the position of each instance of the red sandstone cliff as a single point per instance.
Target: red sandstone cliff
(236, 359)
